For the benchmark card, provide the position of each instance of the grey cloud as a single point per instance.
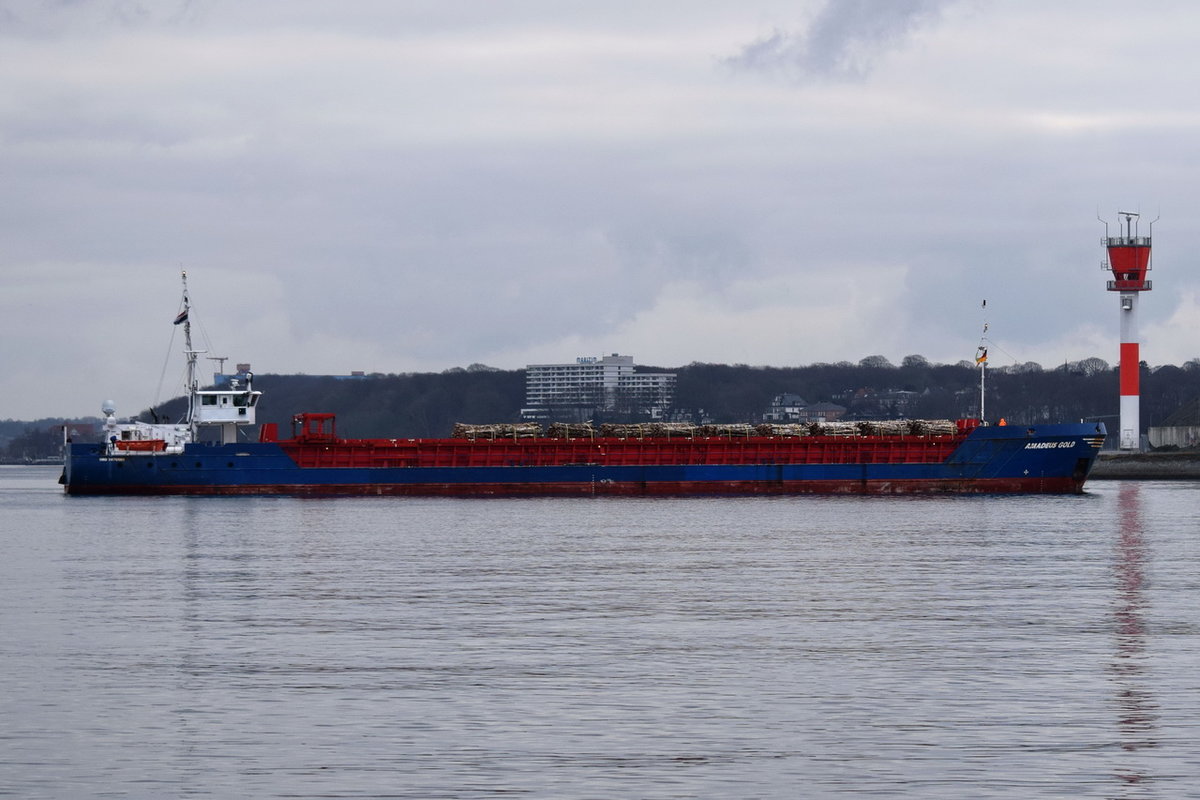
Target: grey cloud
(350, 191)
(54, 17)
(843, 41)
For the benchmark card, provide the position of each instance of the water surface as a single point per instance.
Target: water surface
(591, 648)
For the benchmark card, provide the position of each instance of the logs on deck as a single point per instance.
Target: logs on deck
(644, 430)
(890, 427)
(571, 430)
(502, 430)
(732, 430)
(834, 428)
(784, 429)
(934, 427)
(641, 430)
(885, 427)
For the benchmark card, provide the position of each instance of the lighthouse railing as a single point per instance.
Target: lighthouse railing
(1130, 286)
(1125, 241)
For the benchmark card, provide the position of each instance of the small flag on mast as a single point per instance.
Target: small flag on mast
(183, 315)
(981, 358)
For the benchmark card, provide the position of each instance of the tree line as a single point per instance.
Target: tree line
(428, 404)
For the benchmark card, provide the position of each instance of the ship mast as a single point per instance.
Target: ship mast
(224, 408)
(981, 356)
(982, 391)
(192, 384)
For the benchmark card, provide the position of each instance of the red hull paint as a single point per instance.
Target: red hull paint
(368, 453)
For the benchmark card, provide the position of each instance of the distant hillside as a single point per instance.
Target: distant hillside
(428, 404)
(423, 404)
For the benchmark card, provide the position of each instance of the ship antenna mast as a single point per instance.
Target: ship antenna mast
(192, 386)
(981, 355)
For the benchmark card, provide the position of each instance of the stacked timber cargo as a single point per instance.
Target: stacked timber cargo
(834, 428)
(891, 427)
(732, 430)
(643, 430)
(784, 429)
(651, 430)
(571, 430)
(502, 430)
(934, 427)
(886, 427)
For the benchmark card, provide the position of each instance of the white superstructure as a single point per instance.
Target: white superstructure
(226, 409)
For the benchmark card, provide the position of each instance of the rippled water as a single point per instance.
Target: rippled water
(599, 648)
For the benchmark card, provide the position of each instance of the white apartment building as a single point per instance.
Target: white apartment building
(606, 383)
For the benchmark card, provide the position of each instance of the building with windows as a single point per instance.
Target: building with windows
(789, 407)
(590, 386)
(821, 412)
(785, 408)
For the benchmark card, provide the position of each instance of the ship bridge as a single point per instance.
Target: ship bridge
(227, 408)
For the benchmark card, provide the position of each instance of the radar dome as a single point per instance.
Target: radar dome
(108, 408)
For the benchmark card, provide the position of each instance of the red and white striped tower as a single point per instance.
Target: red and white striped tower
(1129, 260)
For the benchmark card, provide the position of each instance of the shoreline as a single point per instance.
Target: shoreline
(1177, 465)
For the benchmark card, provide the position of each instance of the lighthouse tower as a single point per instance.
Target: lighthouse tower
(1129, 260)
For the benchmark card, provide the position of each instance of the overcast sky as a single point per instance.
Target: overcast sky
(412, 186)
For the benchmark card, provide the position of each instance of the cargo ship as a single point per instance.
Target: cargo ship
(207, 454)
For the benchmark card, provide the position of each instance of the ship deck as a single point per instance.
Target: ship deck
(621, 452)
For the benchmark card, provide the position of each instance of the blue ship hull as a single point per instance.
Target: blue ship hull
(1005, 459)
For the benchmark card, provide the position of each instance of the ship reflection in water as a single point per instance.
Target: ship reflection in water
(1137, 721)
